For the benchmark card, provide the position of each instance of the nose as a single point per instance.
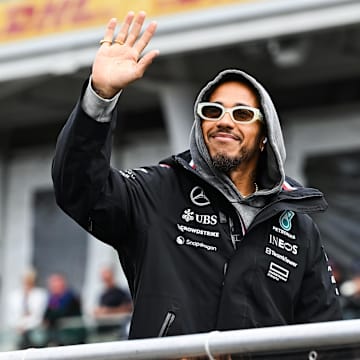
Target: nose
(225, 120)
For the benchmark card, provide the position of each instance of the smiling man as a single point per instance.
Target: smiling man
(215, 238)
(234, 132)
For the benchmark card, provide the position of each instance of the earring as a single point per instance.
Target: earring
(263, 146)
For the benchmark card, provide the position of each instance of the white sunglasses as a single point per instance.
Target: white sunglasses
(239, 114)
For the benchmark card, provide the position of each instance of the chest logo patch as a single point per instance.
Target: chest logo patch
(285, 220)
(205, 219)
(181, 240)
(278, 272)
(188, 215)
(198, 197)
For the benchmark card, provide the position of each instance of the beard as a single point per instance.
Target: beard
(226, 163)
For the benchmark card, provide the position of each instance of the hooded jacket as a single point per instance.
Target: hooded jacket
(271, 169)
(197, 255)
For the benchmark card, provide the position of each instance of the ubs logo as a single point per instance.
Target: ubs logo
(205, 219)
(198, 197)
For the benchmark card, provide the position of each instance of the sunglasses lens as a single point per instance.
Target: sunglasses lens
(243, 115)
(211, 112)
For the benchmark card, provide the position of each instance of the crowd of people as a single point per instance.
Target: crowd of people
(54, 316)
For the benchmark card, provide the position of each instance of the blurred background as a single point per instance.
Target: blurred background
(306, 53)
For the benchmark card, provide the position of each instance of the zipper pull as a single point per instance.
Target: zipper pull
(169, 319)
(225, 270)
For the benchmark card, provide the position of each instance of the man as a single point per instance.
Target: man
(112, 301)
(215, 238)
(63, 304)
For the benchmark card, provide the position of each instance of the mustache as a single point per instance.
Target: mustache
(225, 131)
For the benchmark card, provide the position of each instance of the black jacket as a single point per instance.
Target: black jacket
(188, 266)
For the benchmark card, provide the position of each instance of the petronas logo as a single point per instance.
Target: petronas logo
(285, 220)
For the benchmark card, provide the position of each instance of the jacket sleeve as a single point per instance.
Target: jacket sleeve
(318, 299)
(84, 182)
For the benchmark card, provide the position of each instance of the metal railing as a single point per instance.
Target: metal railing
(252, 341)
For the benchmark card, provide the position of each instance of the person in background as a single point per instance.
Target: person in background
(113, 299)
(115, 305)
(26, 309)
(214, 238)
(63, 314)
(350, 291)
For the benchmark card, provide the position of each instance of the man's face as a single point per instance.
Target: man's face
(107, 277)
(231, 144)
(57, 284)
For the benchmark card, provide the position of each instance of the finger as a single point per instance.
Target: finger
(125, 27)
(136, 28)
(146, 37)
(109, 32)
(146, 60)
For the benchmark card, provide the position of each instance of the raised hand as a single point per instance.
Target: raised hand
(118, 61)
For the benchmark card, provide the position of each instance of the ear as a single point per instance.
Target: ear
(263, 141)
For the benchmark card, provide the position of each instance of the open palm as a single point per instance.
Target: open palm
(118, 62)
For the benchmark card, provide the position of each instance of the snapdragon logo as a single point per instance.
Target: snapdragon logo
(197, 244)
(180, 240)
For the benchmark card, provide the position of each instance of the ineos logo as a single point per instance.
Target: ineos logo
(198, 196)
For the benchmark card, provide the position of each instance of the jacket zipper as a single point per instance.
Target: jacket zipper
(169, 319)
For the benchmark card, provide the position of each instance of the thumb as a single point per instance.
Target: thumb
(147, 59)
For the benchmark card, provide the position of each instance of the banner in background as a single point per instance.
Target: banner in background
(25, 19)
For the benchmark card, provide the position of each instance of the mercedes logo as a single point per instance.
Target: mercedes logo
(198, 197)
